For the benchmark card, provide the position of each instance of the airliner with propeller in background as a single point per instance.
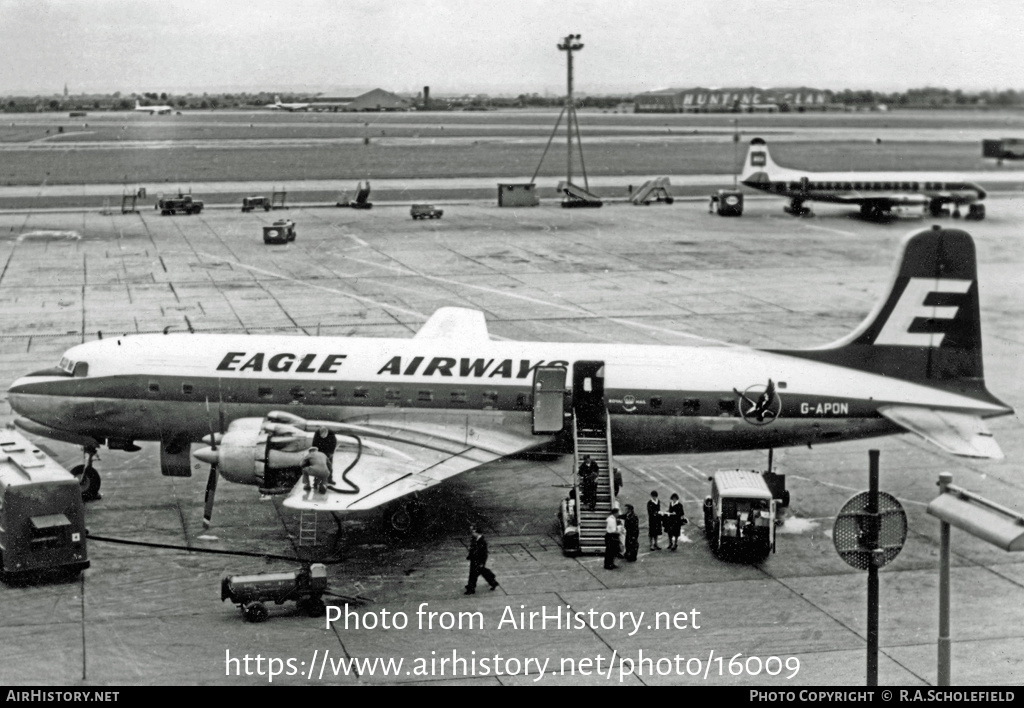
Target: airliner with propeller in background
(410, 413)
(877, 193)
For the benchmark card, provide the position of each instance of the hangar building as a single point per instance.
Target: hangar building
(733, 100)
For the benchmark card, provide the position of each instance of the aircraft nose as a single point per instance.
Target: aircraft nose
(21, 394)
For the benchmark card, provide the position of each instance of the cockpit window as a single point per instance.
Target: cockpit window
(66, 365)
(80, 370)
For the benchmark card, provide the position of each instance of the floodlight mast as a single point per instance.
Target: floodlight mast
(569, 45)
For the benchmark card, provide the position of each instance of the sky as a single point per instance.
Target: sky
(468, 46)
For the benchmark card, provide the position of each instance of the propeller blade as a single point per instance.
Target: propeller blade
(211, 491)
(220, 407)
(209, 424)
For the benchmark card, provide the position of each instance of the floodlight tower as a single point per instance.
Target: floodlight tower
(574, 195)
(569, 45)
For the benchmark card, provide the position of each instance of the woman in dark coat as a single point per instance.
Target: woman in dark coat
(674, 521)
(654, 521)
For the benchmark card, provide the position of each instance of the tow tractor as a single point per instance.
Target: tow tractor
(306, 586)
(181, 204)
(250, 203)
(425, 211)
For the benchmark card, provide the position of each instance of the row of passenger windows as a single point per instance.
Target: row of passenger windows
(881, 186)
(360, 392)
(690, 406)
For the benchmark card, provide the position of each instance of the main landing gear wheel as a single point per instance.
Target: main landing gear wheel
(88, 481)
(797, 208)
(399, 520)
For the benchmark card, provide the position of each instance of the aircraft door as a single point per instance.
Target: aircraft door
(588, 393)
(548, 399)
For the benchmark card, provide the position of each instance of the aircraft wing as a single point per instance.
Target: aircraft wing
(455, 323)
(957, 433)
(399, 454)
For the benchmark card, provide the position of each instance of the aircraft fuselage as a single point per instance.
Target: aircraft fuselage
(661, 399)
(858, 187)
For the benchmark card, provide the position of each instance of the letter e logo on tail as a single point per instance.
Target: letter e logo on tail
(911, 306)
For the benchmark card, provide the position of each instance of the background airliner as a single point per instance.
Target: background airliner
(410, 413)
(291, 107)
(877, 193)
(152, 109)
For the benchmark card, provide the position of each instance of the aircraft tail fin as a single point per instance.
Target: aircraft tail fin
(927, 328)
(758, 164)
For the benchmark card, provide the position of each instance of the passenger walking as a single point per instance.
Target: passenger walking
(675, 519)
(654, 520)
(477, 558)
(588, 482)
(632, 523)
(611, 540)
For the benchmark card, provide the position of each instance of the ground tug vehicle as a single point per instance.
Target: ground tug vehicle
(740, 515)
(726, 202)
(42, 518)
(281, 231)
(425, 211)
(181, 204)
(251, 203)
(305, 586)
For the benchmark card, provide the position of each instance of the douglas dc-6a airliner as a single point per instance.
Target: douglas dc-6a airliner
(410, 413)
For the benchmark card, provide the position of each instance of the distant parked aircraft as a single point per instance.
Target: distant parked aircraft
(290, 107)
(152, 109)
(877, 193)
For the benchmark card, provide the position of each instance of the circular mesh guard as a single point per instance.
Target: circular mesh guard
(853, 532)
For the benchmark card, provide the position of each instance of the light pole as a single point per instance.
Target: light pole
(569, 45)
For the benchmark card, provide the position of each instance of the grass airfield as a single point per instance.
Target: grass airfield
(658, 274)
(136, 149)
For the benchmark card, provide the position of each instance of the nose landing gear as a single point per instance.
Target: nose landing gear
(88, 477)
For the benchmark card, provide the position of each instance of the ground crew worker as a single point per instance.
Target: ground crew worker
(314, 465)
(611, 540)
(632, 523)
(326, 442)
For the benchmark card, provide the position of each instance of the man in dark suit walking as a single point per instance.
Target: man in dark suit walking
(478, 562)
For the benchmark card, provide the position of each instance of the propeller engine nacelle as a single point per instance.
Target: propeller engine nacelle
(265, 455)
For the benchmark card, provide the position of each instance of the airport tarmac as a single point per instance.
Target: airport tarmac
(657, 274)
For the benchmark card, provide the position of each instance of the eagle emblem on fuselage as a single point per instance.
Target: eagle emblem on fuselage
(759, 405)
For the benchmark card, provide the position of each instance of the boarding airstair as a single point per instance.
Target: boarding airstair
(307, 528)
(653, 190)
(576, 196)
(592, 436)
